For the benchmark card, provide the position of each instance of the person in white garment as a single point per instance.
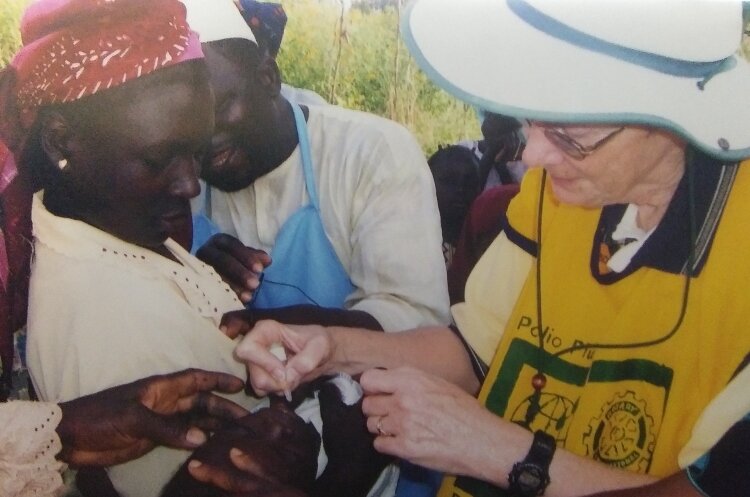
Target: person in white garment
(335, 209)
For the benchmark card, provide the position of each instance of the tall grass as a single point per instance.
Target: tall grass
(10, 37)
(353, 58)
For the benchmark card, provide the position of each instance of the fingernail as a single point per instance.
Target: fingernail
(235, 452)
(280, 375)
(246, 296)
(195, 463)
(195, 436)
(223, 329)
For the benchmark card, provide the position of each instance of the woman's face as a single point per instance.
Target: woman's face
(630, 167)
(136, 166)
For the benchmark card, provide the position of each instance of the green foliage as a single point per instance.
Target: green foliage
(306, 50)
(354, 59)
(10, 38)
(361, 63)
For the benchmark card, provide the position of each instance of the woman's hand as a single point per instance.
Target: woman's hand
(308, 350)
(241, 481)
(423, 418)
(269, 452)
(127, 421)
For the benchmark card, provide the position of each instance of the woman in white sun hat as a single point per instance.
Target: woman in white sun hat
(612, 308)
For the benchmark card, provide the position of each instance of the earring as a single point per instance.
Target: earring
(62, 164)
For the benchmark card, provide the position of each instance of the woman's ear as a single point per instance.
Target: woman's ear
(57, 138)
(269, 76)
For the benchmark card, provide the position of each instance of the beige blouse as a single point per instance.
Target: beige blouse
(103, 312)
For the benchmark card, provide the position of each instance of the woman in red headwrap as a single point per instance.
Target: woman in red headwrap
(107, 108)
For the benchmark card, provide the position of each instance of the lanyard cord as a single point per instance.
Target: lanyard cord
(685, 291)
(540, 211)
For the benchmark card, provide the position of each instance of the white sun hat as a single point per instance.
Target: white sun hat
(667, 63)
(217, 20)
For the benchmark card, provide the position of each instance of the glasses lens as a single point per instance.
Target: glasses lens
(565, 143)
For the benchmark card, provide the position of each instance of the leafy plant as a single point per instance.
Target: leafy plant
(10, 37)
(352, 56)
(361, 63)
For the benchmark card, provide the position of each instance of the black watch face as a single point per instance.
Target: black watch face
(529, 479)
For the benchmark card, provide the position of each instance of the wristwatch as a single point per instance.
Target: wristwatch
(530, 477)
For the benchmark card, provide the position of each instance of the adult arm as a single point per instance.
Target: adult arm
(315, 350)
(722, 472)
(240, 322)
(107, 427)
(433, 423)
(396, 264)
(677, 485)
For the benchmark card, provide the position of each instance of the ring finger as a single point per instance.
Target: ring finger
(379, 426)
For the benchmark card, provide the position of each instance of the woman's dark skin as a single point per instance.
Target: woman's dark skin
(132, 155)
(282, 447)
(127, 421)
(353, 463)
(255, 133)
(125, 161)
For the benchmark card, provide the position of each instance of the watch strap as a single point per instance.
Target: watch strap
(530, 477)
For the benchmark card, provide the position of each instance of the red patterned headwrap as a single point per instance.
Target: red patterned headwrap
(75, 48)
(72, 49)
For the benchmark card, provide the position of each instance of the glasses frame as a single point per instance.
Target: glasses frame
(562, 140)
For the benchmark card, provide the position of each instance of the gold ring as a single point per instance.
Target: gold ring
(379, 427)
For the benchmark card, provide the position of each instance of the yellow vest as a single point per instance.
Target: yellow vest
(632, 408)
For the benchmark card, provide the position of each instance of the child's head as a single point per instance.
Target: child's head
(454, 169)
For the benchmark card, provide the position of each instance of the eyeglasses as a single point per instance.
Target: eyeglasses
(562, 140)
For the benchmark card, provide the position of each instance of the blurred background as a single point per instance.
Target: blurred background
(350, 52)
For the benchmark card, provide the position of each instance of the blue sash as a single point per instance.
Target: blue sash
(305, 267)
(203, 227)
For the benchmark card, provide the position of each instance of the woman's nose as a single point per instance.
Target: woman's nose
(539, 152)
(185, 178)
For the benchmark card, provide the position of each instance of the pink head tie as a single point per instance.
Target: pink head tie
(76, 48)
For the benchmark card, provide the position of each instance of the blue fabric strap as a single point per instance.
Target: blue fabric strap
(305, 268)
(304, 148)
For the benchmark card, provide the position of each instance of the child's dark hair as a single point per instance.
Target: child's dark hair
(454, 154)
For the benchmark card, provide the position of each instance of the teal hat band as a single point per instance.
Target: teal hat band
(665, 65)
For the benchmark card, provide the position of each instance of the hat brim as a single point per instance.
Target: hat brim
(484, 54)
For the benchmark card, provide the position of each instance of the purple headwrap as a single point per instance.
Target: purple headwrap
(267, 20)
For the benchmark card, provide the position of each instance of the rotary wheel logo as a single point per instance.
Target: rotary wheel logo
(623, 435)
